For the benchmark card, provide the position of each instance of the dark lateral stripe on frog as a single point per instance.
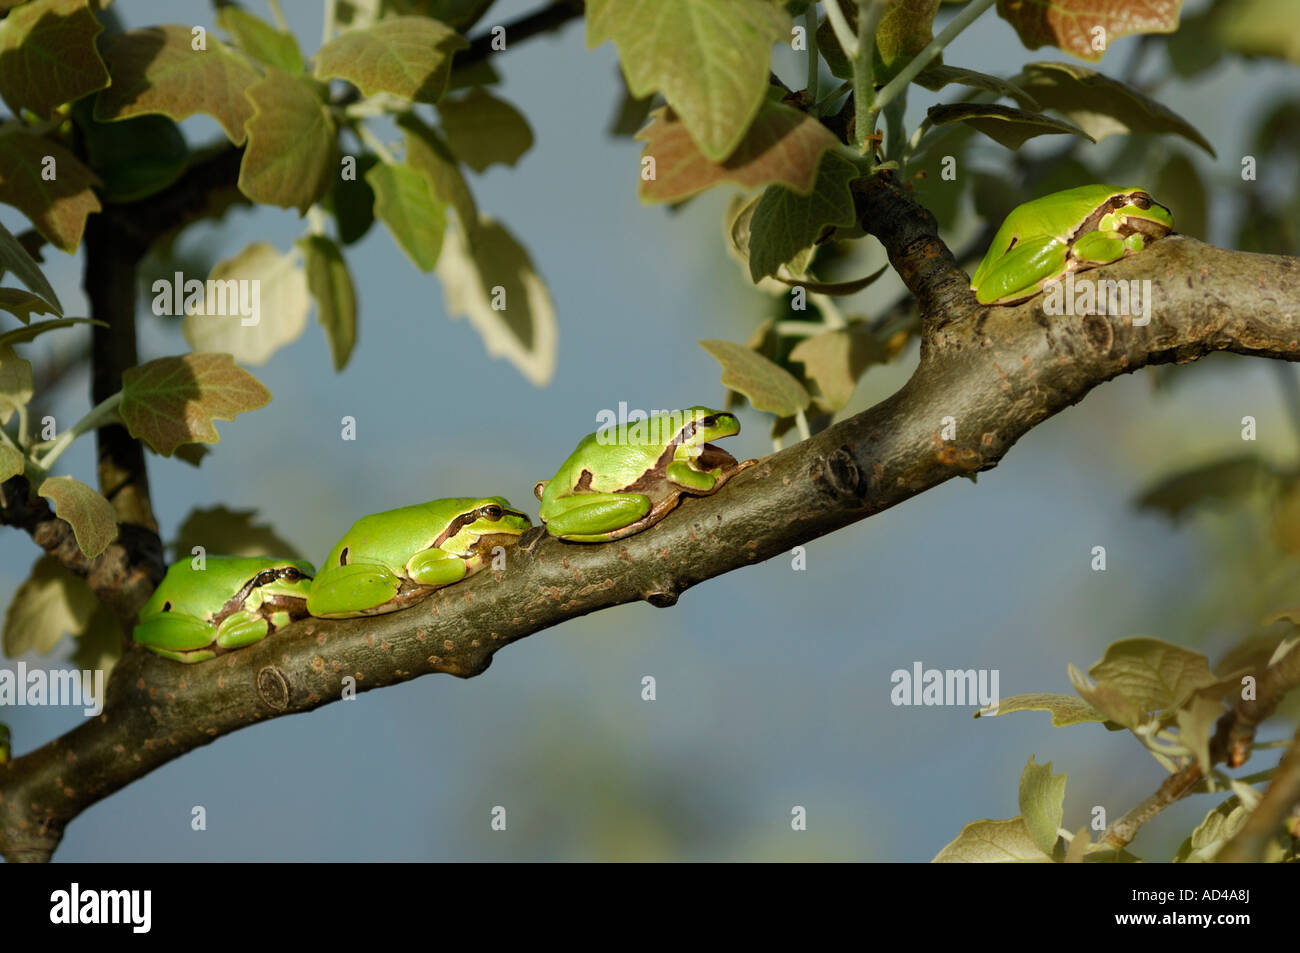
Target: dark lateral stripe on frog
(460, 522)
(265, 577)
(1090, 224)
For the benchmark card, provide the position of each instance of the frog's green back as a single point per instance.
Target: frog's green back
(394, 536)
(200, 592)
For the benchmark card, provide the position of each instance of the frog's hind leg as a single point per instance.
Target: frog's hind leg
(435, 567)
(351, 590)
(1101, 248)
(596, 517)
(241, 628)
(174, 636)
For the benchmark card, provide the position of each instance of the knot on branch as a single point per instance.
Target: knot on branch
(1098, 333)
(273, 687)
(841, 474)
(663, 596)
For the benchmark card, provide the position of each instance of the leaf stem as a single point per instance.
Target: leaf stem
(932, 49)
(840, 26)
(832, 317)
(100, 415)
(376, 146)
(278, 15)
(864, 90)
(801, 422)
(824, 103)
(814, 67)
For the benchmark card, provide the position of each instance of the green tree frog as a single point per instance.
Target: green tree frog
(233, 601)
(389, 560)
(1066, 231)
(620, 481)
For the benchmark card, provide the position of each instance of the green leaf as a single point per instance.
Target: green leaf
(290, 157)
(231, 533)
(482, 129)
(174, 400)
(415, 219)
(48, 55)
(1065, 709)
(633, 111)
(280, 309)
(1195, 48)
(785, 223)
(1102, 106)
(23, 304)
(15, 383)
(1042, 803)
(99, 646)
(260, 40)
(19, 335)
(1213, 482)
(783, 146)
(134, 158)
(5, 749)
(1155, 674)
(1180, 186)
(191, 453)
(1072, 25)
(836, 359)
(407, 56)
(768, 386)
(1114, 705)
(1005, 125)
(331, 287)
(457, 13)
(493, 283)
(828, 44)
(1219, 826)
(58, 207)
(157, 70)
(835, 288)
(709, 58)
(935, 78)
(430, 156)
(905, 30)
(14, 258)
(1195, 724)
(992, 842)
(352, 200)
(12, 463)
(736, 219)
(91, 516)
(1259, 28)
(50, 602)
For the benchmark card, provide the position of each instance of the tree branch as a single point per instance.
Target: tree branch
(532, 24)
(998, 371)
(122, 577)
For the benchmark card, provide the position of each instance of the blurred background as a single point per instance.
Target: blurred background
(773, 685)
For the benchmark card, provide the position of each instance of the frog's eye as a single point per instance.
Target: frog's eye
(492, 512)
(708, 421)
(290, 573)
